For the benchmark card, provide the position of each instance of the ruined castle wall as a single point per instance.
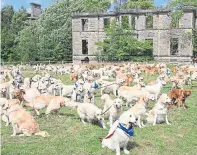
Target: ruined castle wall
(161, 33)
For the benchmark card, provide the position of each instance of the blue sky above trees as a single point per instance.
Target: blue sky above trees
(45, 3)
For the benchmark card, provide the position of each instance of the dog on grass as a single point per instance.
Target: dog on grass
(91, 113)
(159, 112)
(178, 96)
(120, 133)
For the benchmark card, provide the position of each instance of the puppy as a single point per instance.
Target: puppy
(23, 122)
(112, 108)
(179, 96)
(139, 110)
(120, 133)
(90, 112)
(159, 113)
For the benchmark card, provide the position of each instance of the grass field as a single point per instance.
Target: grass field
(70, 137)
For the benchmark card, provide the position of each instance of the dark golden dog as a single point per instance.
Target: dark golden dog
(179, 96)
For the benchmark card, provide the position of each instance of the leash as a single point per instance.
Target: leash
(107, 109)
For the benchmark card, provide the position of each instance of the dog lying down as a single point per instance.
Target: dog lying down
(23, 122)
(120, 133)
(91, 113)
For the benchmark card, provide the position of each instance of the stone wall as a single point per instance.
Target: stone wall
(161, 33)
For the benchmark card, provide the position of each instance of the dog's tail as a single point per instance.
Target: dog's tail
(42, 133)
(100, 139)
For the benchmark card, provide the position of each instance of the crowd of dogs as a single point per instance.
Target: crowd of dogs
(45, 91)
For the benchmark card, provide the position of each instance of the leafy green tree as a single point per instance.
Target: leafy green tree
(18, 20)
(7, 13)
(7, 43)
(54, 27)
(18, 23)
(122, 45)
(143, 4)
(7, 37)
(27, 43)
(180, 4)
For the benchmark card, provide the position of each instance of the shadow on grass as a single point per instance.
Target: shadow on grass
(132, 145)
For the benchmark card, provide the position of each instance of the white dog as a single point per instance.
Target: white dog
(159, 113)
(120, 133)
(112, 107)
(90, 112)
(156, 88)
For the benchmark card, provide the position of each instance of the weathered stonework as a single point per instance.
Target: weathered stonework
(161, 33)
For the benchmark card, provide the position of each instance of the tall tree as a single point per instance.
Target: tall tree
(18, 23)
(54, 27)
(7, 37)
(7, 13)
(27, 43)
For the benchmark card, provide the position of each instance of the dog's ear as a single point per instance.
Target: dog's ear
(124, 118)
(145, 98)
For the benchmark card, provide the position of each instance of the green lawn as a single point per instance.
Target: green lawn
(70, 137)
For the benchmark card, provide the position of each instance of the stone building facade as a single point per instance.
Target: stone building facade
(170, 43)
(35, 11)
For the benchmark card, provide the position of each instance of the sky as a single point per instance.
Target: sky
(45, 3)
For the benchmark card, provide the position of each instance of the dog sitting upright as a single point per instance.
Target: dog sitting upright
(159, 112)
(179, 96)
(120, 133)
(23, 122)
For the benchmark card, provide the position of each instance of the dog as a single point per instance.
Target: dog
(112, 107)
(3, 107)
(52, 103)
(18, 94)
(156, 88)
(120, 133)
(159, 112)
(90, 112)
(179, 96)
(139, 110)
(23, 122)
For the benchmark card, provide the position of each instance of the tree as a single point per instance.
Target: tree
(7, 37)
(143, 4)
(122, 44)
(181, 4)
(54, 27)
(7, 13)
(27, 43)
(18, 23)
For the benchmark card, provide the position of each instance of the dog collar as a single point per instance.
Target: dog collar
(95, 85)
(76, 85)
(129, 132)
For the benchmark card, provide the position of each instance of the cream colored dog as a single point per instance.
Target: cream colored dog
(139, 110)
(120, 133)
(159, 113)
(90, 112)
(51, 102)
(113, 108)
(3, 107)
